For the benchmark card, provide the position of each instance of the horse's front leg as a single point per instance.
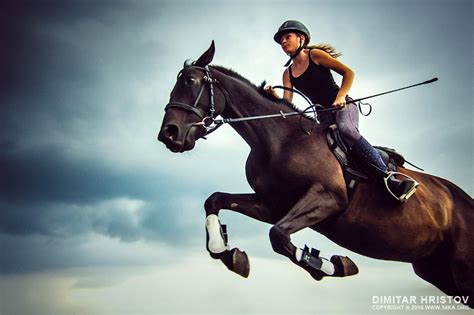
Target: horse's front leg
(217, 243)
(316, 205)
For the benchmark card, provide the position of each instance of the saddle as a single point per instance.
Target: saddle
(353, 169)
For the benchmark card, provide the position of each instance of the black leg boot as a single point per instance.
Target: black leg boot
(401, 190)
(313, 263)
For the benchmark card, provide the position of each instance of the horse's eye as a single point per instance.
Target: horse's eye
(190, 80)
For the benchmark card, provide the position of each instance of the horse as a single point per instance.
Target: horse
(298, 183)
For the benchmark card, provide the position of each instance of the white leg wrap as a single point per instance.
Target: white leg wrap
(299, 254)
(216, 243)
(327, 267)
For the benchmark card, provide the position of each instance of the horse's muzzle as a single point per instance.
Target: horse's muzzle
(169, 135)
(175, 139)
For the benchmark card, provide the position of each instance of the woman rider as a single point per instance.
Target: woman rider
(310, 73)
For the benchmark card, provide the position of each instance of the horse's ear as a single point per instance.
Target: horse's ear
(207, 56)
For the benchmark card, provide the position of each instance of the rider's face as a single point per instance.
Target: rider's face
(290, 42)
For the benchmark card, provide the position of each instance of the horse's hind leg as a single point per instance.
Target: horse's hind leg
(315, 206)
(436, 270)
(462, 264)
(462, 258)
(463, 274)
(247, 204)
(450, 271)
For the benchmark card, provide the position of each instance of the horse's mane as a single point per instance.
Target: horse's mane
(260, 89)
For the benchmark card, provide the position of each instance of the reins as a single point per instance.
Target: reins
(315, 106)
(318, 105)
(210, 123)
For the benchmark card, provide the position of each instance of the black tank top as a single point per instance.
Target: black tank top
(317, 83)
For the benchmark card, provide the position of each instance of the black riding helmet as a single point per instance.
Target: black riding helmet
(292, 26)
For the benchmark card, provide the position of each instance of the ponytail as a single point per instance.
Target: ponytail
(327, 48)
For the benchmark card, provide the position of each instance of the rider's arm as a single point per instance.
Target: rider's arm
(287, 95)
(323, 58)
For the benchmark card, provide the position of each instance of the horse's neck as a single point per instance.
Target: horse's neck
(261, 133)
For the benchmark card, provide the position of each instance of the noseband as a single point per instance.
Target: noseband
(207, 121)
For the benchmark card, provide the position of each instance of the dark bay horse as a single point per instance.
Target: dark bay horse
(298, 183)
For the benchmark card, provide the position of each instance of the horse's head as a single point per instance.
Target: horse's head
(194, 101)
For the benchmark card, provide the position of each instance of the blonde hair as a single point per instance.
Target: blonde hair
(327, 48)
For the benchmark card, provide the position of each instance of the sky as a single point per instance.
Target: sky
(98, 217)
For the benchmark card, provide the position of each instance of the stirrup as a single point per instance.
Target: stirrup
(404, 197)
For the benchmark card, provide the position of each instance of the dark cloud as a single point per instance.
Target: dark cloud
(62, 62)
(48, 175)
(30, 47)
(34, 253)
(46, 192)
(58, 11)
(68, 75)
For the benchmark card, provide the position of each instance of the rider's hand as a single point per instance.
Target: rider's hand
(339, 102)
(271, 90)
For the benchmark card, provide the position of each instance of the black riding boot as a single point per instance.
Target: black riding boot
(401, 190)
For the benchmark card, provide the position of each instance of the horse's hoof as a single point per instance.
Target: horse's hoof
(240, 263)
(344, 266)
(235, 260)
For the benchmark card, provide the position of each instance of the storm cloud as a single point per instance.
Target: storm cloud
(77, 157)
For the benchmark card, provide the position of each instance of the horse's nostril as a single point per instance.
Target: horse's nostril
(171, 131)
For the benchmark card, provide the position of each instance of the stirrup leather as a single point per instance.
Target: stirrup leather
(404, 197)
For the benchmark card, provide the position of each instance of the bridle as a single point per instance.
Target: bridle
(207, 121)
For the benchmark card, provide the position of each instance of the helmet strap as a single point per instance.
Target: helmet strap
(297, 52)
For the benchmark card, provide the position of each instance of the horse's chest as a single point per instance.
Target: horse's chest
(272, 182)
(263, 180)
